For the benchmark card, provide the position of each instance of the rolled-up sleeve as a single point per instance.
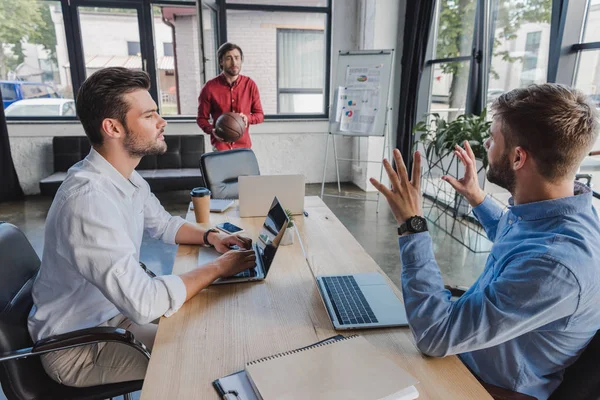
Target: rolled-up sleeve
(95, 236)
(158, 222)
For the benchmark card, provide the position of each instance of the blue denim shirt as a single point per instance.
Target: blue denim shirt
(533, 309)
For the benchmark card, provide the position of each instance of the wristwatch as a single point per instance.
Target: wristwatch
(205, 238)
(414, 224)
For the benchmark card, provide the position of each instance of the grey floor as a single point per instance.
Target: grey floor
(376, 232)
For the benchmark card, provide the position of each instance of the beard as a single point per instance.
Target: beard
(137, 147)
(231, 72)
(502, 174)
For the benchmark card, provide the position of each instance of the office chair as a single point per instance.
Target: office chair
(582, 378)
(21, 373)
(221, 170)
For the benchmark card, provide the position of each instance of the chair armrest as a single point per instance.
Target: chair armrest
(78, 338)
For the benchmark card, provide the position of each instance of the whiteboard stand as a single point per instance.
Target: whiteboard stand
(386, 148)
(355, 70)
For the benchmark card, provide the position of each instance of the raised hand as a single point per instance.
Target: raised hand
(468, 185)
(405, 196)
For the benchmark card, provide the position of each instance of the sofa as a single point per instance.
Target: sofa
(177, 169)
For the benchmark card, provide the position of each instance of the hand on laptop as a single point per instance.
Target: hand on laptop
(235, 261)
(223, 242)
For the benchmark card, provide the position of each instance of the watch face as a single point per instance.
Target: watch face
(417, 224)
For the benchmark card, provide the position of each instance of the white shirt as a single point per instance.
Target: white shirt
(90, 268)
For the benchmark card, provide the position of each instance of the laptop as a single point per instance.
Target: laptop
(265, 247)
(257, 191)
(360, 301)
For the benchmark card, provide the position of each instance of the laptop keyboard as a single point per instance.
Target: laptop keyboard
(349, 303)
(247, 273)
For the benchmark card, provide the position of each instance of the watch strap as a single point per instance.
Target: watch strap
(205, 238)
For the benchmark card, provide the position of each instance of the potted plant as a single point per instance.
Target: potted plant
(438, 138)
(288, 236)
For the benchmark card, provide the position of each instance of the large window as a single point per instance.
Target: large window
(285, 53)
(301, 71)
(480, 49)
(32, 43)
(47, 56)
(587, 72)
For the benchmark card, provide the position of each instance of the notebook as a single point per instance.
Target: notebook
(349, 368)
(237, 386)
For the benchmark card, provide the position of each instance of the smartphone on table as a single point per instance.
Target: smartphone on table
(230, 228)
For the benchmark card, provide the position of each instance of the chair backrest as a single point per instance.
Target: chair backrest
(221, 170)
(582, 379)
(19, 264)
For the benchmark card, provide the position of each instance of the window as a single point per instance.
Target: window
(587, 71)
(301, 71)
(110, 37)
(31, 55)
(178, 73)
(521, 45)
(285, 54)
(449, 67)
(516, 53)
(146, 35)
(134, 49)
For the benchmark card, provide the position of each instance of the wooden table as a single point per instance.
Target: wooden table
(226, 326)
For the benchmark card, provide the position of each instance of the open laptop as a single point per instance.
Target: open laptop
(360, 301)
(256, 193)
(265, 247)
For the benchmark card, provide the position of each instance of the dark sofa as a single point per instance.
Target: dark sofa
(177, 169)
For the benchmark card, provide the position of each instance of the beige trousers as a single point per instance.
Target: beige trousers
(102, 363)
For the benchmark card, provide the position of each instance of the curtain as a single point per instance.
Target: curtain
(557, 27)
(10, 189)
(419, 17)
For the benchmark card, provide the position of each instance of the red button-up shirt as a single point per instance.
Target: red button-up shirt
(218, 97)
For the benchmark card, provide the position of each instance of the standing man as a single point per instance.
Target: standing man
(90, 274)
(229, 92)
(534, 308)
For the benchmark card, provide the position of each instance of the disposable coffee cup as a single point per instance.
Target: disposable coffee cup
(201, 202)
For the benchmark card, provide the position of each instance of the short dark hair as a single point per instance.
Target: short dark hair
(101, 97)
(555, 123)
(226, 47)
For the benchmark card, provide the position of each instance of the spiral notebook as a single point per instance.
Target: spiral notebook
(340, 368)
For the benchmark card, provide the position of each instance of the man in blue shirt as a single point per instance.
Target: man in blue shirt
(536, 305)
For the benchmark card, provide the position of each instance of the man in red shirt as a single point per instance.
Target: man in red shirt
(229, 92)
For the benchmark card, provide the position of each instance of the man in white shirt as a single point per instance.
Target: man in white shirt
(90, 273)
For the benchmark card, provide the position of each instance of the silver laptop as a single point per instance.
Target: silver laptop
(265, 247)
(256, 193)
(360, 301)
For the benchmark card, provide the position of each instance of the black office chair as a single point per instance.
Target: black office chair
(582, 378)
(221, 170)
(21, 373)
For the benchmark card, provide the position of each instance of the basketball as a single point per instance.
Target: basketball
(230, 126)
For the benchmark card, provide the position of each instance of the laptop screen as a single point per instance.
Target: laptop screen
(271, 233)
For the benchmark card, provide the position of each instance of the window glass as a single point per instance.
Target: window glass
(34, 61)
(277, 67)
(109, 37)
(178, 61)
(300, 70)
(304, 3)
(521, 45)
(455, 25)
(592, 23)
(449, 89)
